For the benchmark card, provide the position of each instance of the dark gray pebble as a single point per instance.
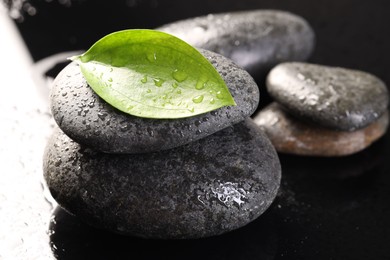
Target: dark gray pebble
(89, 120)
(209, 187)
(255, 40)
(333, 97)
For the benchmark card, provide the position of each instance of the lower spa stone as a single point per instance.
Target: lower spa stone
(204, 188)
(291, 135)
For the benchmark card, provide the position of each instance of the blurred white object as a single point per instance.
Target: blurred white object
(24, 128)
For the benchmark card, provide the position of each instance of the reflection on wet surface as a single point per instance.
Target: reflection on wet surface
(72, 239)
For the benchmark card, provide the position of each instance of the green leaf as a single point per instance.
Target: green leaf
(152, 74)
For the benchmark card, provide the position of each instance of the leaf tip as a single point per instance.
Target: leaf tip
(74, 58)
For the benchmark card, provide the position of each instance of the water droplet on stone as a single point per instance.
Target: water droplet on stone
(101, 115)
(198, 99)
(301, 76)
(312, 99)
(64, 94)
(57, 162)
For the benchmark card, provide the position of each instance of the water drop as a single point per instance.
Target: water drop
(111, 69)
(152, 57)
(110, 80)
(192, 110)
(175, 85)
(144, 79)
(200, 85)
(178, 91)
(101, 115)
(64, 94)
(312, 99)
(198, 99)
(301, 76)
(179, 75)
(220, 95)
(212, 101)
(158, 82)
(149, 91)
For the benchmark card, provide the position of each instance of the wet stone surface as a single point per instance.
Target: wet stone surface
(293, 136)
(333, 97)
(209, 187)
(255, 40)
(89, 120)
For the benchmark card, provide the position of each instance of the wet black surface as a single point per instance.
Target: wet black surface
(327, 208)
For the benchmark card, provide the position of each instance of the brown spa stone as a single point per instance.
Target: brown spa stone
(291, 135)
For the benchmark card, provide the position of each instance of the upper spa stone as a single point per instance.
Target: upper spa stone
(333, 97)
(205, 188)
(256, 40)
(89, 120)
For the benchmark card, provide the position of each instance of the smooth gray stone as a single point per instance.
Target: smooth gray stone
(205, 188)
(333, 97)
(89, 120)
(256, 40)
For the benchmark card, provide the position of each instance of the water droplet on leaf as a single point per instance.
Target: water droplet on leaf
(144, 79)
(179, 75)
(200, 85)
(152, 57)
(220, 95)
(158, 82)
(198, 99)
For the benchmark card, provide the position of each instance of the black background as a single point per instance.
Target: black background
(328, 208)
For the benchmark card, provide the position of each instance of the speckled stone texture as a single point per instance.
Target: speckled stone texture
(291, 135)
(91, 121)
(333, 97)
(205, 188)
(256, 40)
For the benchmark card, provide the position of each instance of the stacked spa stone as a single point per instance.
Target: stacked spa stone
(323, 111)
(182, 178)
